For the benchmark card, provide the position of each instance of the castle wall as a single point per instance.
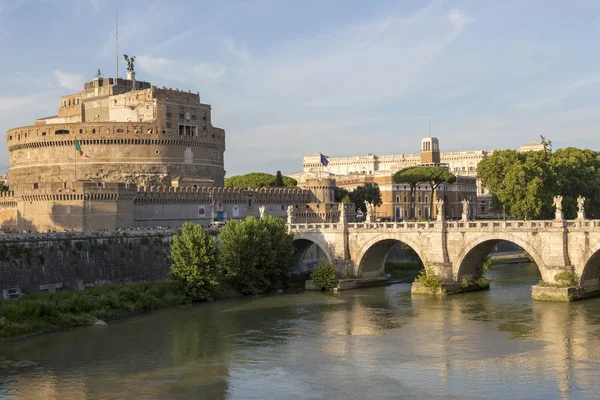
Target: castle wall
(114, 152)
(42, 261)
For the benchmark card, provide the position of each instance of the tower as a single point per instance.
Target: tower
(430, 151)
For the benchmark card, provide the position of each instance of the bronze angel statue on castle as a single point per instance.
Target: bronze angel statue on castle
(129, 62)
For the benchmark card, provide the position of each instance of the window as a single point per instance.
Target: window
(181, 112)
(64, 103)
(93, 131)
(397, 199)
(36, 186)
(426, 199)
(147, 107)
(119, 130)
(168, 123)
(77, 101)
(81, 131)
(61, 132)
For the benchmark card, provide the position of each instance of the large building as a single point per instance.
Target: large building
(129, 131)
(373, 168)
(124, 153)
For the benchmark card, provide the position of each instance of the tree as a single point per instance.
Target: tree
(278, 180)
(341, 194)
(435, 176)
(523, 182)
(256, 254)
(256, 180)
(324, 276)
(3, 187)
(368, 192)
(412, 176)
(282, 251)
(195, 261)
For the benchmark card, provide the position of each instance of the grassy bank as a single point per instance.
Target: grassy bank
(403, 270)
(47, 311)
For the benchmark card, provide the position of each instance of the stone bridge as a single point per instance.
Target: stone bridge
(454, 250)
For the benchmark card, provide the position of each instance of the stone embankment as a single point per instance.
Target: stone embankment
(47, 262)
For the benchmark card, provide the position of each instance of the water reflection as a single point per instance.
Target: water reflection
(370, 343)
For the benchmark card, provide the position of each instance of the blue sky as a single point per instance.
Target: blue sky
(288, 78)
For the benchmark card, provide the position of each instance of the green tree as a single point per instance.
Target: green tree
(257, 180)
(282, 251)
(368, 192)
(256, 254)
(523, 182)
(195, 261)
(412, 176)
(340, 194)
(3, 188)
(435, 176)
(324, 276)
(279, 180)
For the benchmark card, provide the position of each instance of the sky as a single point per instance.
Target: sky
(288, 78)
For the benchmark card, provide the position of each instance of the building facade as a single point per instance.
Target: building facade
(372, 167)
(129, 132)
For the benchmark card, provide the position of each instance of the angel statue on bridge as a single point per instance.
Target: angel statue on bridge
(558, 203)
(580, 201)
(290, 214)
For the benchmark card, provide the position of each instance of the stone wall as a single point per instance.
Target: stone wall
(128, 152)
(41, 262)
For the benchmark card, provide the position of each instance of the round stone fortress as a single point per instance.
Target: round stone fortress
(128, 132)
(127, 152)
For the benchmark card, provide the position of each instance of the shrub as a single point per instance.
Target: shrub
(256, 254)
(566, 278)
(195, 260)
(429, 279)
(324, 276)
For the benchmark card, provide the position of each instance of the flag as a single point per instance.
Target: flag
(324, 160)
(78, 147)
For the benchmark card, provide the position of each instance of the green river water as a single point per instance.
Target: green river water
(377, 343)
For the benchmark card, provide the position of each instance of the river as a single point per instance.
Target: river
(377, 343)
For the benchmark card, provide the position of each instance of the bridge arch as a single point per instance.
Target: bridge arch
(590, 272)
(475, 252)
(372, 255)
(302, 244)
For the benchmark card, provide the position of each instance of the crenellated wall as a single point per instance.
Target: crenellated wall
(162, 206)
(100, 206)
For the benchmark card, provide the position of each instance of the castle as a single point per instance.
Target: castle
(124, 153)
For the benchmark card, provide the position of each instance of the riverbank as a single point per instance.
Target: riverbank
(43, 312)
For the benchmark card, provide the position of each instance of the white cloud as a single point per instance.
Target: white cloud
(69, 81)
(179, 71)
(241, 53)
(558, 94)
(8, 104)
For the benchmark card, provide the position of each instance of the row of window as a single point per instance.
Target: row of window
(67, 103)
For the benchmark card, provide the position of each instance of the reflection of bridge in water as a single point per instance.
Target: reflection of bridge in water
(455, 250)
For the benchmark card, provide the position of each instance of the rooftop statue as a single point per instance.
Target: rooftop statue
(129, 62)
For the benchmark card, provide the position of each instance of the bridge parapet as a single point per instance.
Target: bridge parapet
(315, 227)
